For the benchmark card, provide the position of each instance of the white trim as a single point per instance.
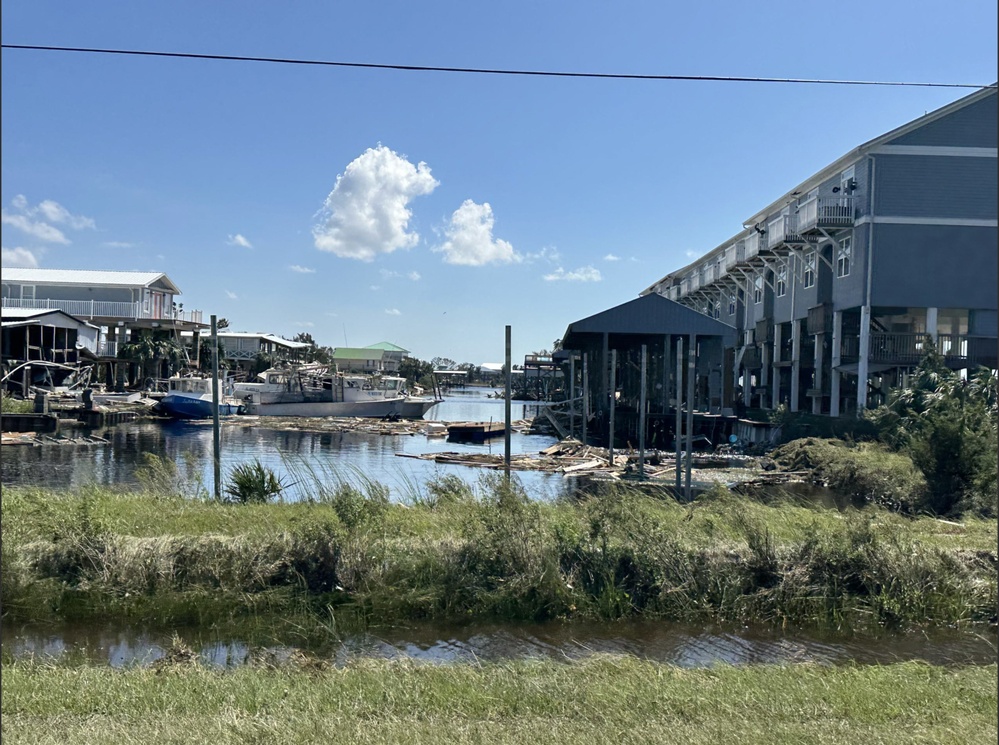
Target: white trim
(951, 221)
(952, 151)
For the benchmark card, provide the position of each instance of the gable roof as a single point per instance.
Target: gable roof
(27, 316)
(357, 353)
(90, 277)
(266, 337)
(387, 347)
(652, 315)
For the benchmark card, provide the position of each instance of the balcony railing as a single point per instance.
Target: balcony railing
(91, 309)
(754, 241)
(824, 213)
(734, 254)
(783, 231)
(908, 349)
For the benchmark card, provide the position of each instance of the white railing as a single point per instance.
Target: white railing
(107, 349)
(695, 281)
(826, 212)
(735, 254)
(90, 309)
(753, 243)
(783, 229)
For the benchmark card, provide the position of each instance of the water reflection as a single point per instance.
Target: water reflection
(676, 644)
(294, 455)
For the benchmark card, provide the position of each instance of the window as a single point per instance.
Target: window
(782, 281)
(731, 304)
(844, 256)
(808, 279)
(758, 290)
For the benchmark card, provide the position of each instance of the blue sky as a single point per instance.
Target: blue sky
(432, 209)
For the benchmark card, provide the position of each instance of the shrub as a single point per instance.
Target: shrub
(253, 483)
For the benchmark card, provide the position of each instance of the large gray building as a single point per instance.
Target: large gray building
(836, 287)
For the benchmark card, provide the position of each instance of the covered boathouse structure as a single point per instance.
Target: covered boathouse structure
(602, 357)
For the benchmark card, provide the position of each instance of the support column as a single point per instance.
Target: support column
(776, 381)
(931, 324)
(863, 363)
(817, 361)
(764, 374)
(837, 358)
(795, 362)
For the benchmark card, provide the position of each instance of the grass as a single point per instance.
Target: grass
(599, 700)
(486, 551)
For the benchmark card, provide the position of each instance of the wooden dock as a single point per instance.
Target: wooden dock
(474, 431)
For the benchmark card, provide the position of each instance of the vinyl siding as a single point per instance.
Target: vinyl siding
(975, 125)
(935, 266)
(936, 186)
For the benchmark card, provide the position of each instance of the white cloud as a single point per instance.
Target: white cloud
(415, 276)
(583, 274)
(388, 273)
(306, 324)
(55, 212)
(37, 221)
(18, 257)
(367, 212)
(393, 312)
(612, 257)
(470, 239)
(40, 230)
(119, 244)
(239, 240)
(301, 269)
(231, 295)
(691, 253)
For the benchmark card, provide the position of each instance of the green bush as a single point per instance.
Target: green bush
(865, 471)
(253, 483)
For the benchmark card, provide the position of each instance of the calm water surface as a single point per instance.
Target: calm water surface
(296, 456)
(676, 644)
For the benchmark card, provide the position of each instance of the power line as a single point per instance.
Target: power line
(491, 71)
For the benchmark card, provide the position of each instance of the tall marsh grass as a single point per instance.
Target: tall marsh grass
(486, 550)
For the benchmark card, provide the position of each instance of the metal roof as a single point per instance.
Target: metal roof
(267, 337)
(26, 316)
(357, 353)
(652, 315)
(90, 277)
(387, 347)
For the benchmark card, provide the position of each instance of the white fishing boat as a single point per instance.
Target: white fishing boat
(415, 405)
(314, 390)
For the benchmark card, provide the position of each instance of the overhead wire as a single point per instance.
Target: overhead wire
(491, 71)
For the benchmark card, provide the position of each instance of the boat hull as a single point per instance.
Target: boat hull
(187, 407)
(374, 409)
(415, 408)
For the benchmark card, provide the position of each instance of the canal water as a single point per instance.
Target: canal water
(298, 457)
(676, 644)
(361, 458)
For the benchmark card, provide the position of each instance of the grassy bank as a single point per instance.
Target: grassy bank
(600, 700)
(485, 551)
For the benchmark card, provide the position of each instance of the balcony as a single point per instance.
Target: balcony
(754, 242)
(734, 255)
(88, 310)
(783, 232)
(764, 332)
(908, 349)
(826, 214)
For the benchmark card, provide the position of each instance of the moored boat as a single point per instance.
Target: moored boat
(191, 397)
(317, 391)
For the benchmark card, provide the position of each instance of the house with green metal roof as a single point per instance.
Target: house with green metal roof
(362, 359)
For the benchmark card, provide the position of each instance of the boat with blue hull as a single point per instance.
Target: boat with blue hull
(190, 397)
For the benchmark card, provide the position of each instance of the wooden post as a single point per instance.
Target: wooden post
(613, 401)
(641, 416)
(691, 373)
(679, 409)
(509, 385)
(586, 394)
(572, 395)
(216, 439)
